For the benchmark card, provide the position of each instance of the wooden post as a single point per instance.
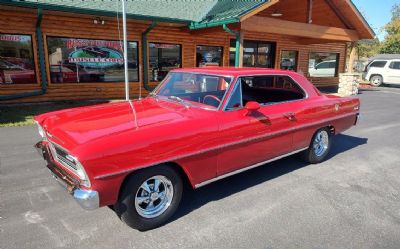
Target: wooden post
(352, 56)
(309, 11)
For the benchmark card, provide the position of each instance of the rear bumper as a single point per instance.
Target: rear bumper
(87, 199)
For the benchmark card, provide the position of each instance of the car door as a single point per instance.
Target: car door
(250, 137)
(393, 72)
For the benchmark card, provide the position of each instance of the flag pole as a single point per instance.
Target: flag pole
(125, 51)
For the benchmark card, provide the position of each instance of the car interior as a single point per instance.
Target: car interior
(266, 90)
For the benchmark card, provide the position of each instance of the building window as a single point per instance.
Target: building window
(17, 65)
(323, 64)
(85, 60)
(163, 58)
(208, 56)
(289, 60)
(255, 54)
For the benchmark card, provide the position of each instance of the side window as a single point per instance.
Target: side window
(270, 89)
(323, 65)
(378, 64)
(235, 101)
(395, 65)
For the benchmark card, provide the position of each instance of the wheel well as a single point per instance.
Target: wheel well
(332, 129)
(372, 75)
(173, 165)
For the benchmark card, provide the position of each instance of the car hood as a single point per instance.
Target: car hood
(80, 125)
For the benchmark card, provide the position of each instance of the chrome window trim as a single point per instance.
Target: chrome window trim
(306, 95)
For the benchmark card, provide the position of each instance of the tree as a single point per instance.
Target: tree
(391, 44)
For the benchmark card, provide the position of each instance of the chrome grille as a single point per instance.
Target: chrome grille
(61, 156)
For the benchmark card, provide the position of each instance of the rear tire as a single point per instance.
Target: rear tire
(150, 197)
(319, 146)
(376, 80)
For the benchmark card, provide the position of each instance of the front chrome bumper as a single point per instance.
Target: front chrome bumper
(87, 199)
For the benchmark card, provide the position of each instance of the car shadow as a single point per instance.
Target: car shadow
(194, 199)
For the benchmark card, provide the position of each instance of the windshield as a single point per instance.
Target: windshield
(193, 89)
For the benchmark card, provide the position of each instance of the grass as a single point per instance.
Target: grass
(21, 115)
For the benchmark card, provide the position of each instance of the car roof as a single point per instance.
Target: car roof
(234, 71)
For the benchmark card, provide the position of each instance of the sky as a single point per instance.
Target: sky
(377, 13)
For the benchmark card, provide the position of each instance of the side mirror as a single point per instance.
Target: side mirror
(252, 106)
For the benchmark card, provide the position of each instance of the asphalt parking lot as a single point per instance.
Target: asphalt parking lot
(350, 201)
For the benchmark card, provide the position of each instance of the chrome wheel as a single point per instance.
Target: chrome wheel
(321, 143)
(154, 196)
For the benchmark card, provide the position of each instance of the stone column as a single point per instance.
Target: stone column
(348, 84)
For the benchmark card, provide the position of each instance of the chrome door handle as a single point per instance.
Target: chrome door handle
(290, 115)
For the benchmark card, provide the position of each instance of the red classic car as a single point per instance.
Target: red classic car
(198, 126)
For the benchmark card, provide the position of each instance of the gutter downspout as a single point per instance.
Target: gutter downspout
(145, 60)
(237, 35)
(39, 38)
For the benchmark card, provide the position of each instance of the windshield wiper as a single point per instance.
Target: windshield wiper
(179, 100)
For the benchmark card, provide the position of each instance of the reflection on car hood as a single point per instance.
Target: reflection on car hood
(76, 126)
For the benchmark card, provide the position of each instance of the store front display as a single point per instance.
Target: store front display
(85, 60)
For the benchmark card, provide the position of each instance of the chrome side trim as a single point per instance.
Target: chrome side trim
(246, 140)
(247, 168)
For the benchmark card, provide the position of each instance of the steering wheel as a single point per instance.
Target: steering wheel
(213, 98)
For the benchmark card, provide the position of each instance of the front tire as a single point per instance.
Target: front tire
(376, 80)
(319, 146)
(150, 197)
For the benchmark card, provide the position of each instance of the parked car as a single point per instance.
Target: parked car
(67, 73)
(323, 69)
(15, 74)
(380, 71)
(198, 126)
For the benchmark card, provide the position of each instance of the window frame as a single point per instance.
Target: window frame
(238, 79)
(47, 59)
(215, 46)
(35, 56)
(148, 57)
(336, 68)
(273, 52)
(297, 58)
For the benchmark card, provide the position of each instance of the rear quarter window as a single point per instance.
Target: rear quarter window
(378, 64)
(395, 65)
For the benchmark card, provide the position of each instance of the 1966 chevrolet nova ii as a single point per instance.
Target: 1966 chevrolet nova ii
(196, 127)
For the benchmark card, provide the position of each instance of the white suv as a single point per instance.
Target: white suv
(380, 71)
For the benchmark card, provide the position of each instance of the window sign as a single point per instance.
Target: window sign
(162, 59)
(16, 60)
(323, 64)
(208, 56)
(85, 60)
(289, 60)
